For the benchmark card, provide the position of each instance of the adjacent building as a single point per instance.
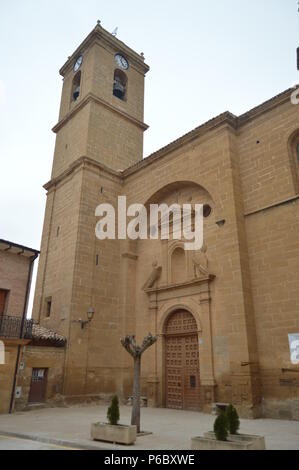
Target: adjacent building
(31, 357)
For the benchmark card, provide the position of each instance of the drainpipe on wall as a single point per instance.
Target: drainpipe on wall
(32, 259)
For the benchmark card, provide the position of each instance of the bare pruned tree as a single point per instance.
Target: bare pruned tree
(129, 343)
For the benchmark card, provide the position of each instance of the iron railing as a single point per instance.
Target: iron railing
(10, 327)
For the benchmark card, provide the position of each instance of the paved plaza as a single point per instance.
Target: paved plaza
(13, 443)
(171, 429)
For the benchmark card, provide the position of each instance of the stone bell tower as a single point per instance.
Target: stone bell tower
(102, 104)
(99, 132)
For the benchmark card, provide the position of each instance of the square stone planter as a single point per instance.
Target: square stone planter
(258, 442)
(120, 434)
(205, 443)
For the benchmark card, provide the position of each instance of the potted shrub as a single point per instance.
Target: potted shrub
(226, 436)
(113, 411)
(220, 427)
(233, 421)
(233, 425)
(112, 431)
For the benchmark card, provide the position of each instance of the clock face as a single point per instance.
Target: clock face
(121, 61)
(78, 63)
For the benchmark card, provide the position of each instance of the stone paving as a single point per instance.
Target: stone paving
(171, 429)
(15, 443)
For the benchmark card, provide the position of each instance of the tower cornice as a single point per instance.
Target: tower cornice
(91, 97)
(83, 162)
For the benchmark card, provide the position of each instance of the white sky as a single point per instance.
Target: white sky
(206, 57)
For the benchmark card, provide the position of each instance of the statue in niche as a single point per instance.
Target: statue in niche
(154, 276)
(200, 262)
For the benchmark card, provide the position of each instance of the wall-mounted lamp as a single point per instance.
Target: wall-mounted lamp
(90, 314)
(220, 222)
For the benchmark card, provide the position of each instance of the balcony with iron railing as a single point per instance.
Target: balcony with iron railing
(11, 327)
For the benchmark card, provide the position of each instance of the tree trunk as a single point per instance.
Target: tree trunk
(129, 343)
(136, 393)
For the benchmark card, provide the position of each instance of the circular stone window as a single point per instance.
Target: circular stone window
(207, 210)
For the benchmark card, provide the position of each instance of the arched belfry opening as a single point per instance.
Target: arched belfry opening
(182, 377)
(76, 85)
(120, 84)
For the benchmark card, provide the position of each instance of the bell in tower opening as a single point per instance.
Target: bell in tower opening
(76, 86)
(119, 84)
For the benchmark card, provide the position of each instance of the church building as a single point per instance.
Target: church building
(223, 317)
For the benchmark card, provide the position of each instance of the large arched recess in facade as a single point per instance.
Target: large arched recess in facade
(186, 297)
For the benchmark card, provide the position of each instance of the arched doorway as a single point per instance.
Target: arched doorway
(182, 377)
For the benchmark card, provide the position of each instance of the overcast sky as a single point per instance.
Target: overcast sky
(206, 57)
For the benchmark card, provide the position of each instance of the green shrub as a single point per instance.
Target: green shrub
(220, 427)
(113, 411)
(233, 422)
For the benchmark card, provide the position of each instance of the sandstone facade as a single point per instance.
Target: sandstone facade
(222, 336)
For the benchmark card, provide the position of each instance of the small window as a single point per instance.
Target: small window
(192, 381)
(120, 84)
(48, 307)
(76, 86)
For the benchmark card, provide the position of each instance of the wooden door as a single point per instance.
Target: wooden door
(191, 373)
(182, 362)
(3, 295)
(174, 363)
(38, 386)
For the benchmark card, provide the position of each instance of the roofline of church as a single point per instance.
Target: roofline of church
(236, 122)
(107, 38)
